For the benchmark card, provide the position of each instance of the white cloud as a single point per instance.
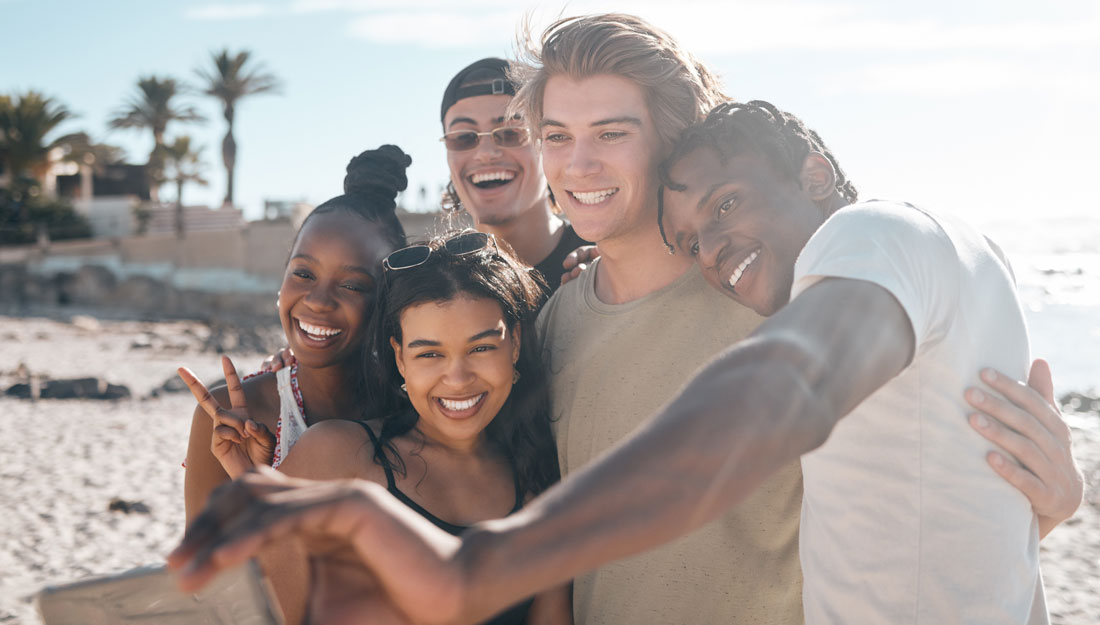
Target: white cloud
(715, 27)
(219, 12)
(966, 76)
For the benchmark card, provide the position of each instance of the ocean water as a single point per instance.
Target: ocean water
(1057, 266)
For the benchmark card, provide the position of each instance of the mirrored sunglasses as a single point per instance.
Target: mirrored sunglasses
(460, 245)
(505, 137)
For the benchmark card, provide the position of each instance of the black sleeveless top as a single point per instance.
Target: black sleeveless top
(517, 614)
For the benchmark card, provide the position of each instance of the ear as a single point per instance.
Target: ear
(398, 356)
(818, 177)
(516, 340)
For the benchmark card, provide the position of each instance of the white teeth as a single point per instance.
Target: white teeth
(737, 273)
(458, 406)
(593, 197)
(492, 175)
(318, 331)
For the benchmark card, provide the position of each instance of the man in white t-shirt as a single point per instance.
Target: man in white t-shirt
(884, 313)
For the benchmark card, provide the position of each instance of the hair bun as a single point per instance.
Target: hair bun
(379, 173)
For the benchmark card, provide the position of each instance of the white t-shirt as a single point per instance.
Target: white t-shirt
(903, 521)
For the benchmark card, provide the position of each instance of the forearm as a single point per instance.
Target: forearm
(742, 418)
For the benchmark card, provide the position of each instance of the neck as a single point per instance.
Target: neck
(533, 234)
(635, 265)
(328, 392)
(471, 448)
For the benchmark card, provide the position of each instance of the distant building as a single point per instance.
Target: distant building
(108, 199)
(294, 211)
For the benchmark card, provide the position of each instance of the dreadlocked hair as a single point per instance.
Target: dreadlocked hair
(735, 128)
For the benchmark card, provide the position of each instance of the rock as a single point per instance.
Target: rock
(172, 385)
(19, 391)
(121, 505)
(76, 388)
(1079, 402)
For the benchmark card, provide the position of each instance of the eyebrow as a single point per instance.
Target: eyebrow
(622, 119)
(710, 192)
(477, 337)
(351, 268)
(461, 120)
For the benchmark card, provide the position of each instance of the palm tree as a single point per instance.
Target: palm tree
(184, 165)
(229, 81)
(26, 123)
(83, 150)
(154, 107)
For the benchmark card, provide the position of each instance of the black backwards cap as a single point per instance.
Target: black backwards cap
(491, 76)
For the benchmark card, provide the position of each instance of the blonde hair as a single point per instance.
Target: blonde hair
(679, 90)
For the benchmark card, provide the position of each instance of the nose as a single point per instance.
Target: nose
(709, 246)
(582, 160)
(320, 298)
(459, 374)
(487, 150)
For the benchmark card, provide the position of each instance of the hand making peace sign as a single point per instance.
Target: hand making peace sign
(238, 442)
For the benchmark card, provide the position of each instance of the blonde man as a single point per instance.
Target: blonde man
(607, 96)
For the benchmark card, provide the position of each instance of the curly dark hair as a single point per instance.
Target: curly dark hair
(757, 127)
(521, 430)
(373, 180)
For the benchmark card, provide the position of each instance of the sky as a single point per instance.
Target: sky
(984, 108)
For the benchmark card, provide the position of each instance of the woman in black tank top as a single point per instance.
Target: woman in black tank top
(457, 422)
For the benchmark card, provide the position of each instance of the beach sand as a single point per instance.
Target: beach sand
(62, 462)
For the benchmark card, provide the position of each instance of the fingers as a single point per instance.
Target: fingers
(1041, 380)
(261, 434)
(579, 256)
(573, 274)
(201, 393)
(1023, 480)
(1023, 449)
(233, 385)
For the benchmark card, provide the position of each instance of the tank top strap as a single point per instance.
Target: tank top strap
(390, 484)
(519, 491)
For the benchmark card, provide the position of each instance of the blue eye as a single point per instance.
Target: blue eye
(694, 249)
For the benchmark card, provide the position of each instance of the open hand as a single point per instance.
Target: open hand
(374, 559)
(1025, 422)
(238, 442)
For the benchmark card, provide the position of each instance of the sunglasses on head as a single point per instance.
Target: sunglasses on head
(505, 137)
(460, 245)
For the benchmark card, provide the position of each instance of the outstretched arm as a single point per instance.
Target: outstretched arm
(756, 407)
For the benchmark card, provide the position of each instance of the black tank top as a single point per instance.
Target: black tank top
(517, 614)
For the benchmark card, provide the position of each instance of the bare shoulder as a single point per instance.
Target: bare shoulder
(331, 449)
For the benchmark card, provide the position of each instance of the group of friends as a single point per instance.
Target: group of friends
(763, 400)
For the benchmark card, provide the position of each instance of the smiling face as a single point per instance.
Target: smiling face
(328, 287)
(599, 150)
(495, 184)
(457, 357)
(743, 223)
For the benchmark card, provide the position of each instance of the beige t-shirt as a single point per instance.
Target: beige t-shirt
(611, 367)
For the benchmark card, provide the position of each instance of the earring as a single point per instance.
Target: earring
(404, 388)
(515, 376)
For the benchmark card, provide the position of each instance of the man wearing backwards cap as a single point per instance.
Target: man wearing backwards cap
(496, 172)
